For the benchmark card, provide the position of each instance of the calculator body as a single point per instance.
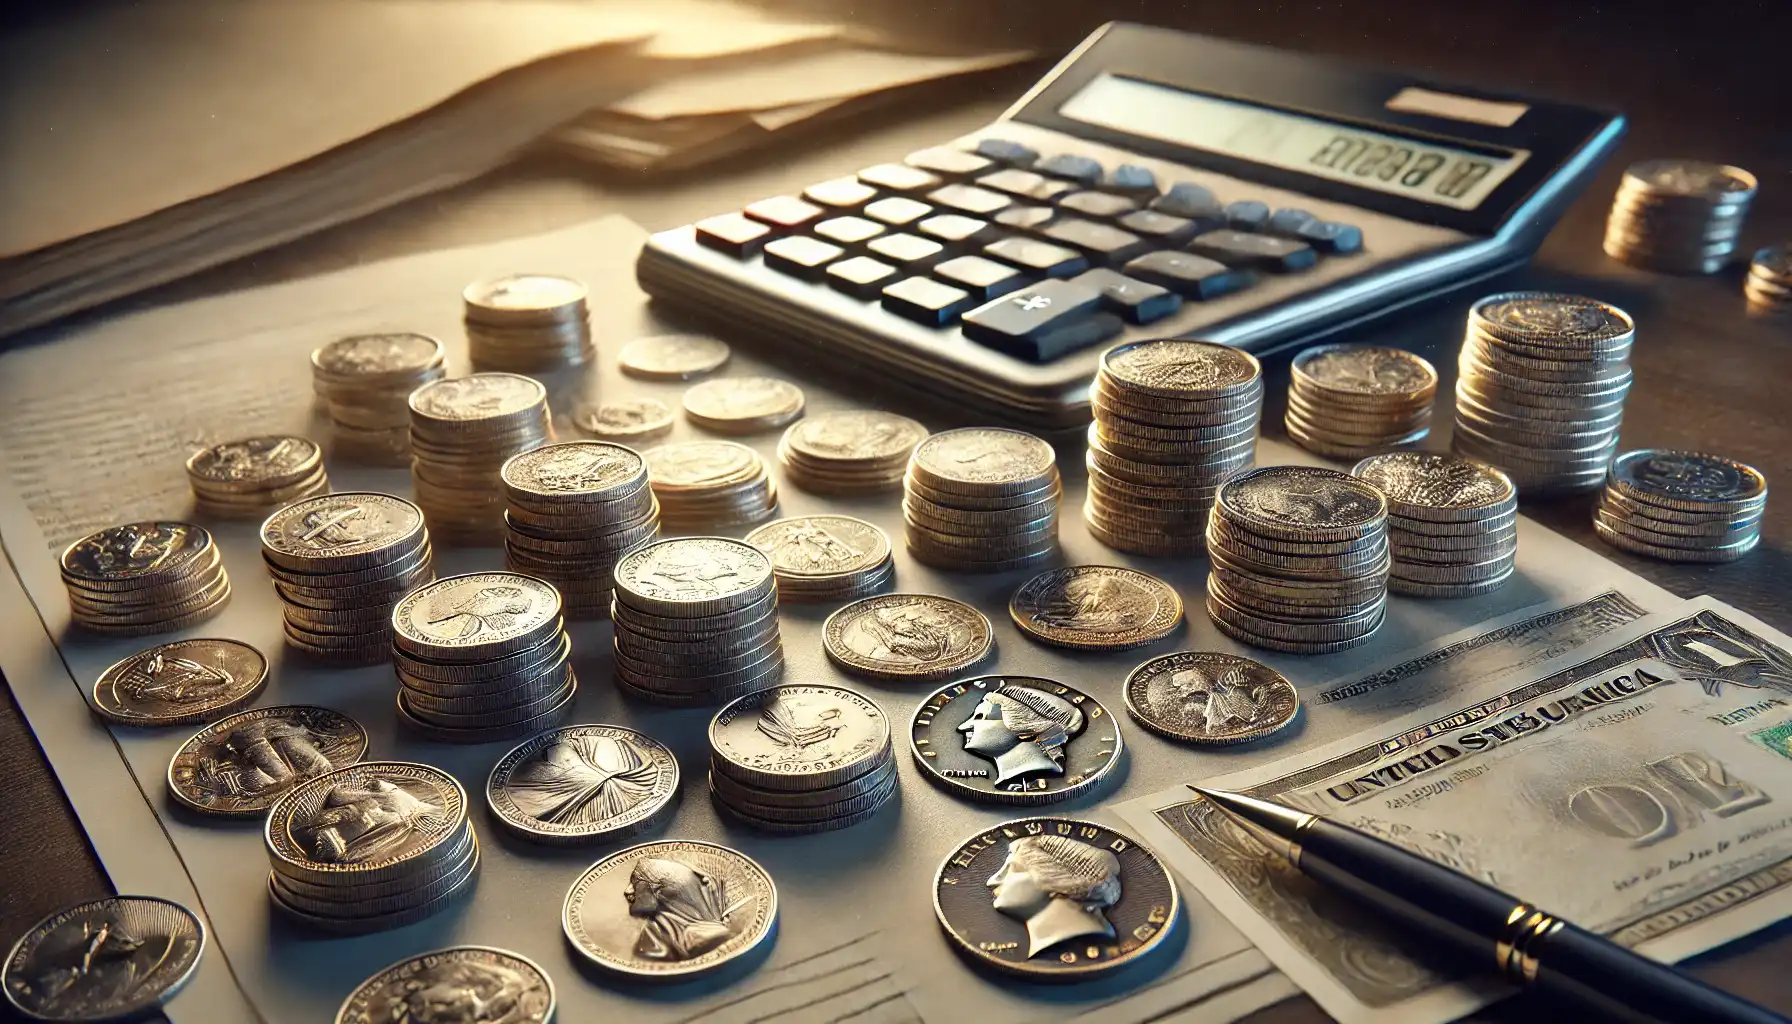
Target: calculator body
(1255, 128)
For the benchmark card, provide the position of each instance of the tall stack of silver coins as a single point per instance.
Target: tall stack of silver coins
(339, 563)
(143, 578)
(574, 510)
(710, 485)
(982, 499)
(1452, 523)
(800, 759)
(696, 622)
(527, 323)
(1769, 284)
(1172, 420)
(1299, 559)
(1350, 401)
(1682, 506)
(365, 382)
(336, 869)
(1678, 216)
(462, 430)
(482, 657)
(1542, 387)
(850, 451)
(247, 479)
(820, 559)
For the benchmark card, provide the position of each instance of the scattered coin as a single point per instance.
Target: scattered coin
(1678, 216)
(696, 622)
(527, 322)
(1205, 697)
(1447, 515)
(672, 357)
(240, 765)
(573, 510)
(1682, 506)
(462, 431)
(710, 485)
(113, 959)
(850, 451)
(628, 419)
(1769, 284)
(902, 637)
(180, 682)
(444, 985)
(583, 784)
(825, 558)
(1096, 607)
(1014, 740)
(248, 479)
(982, 499)
(774, 754)
(365, 382)
(1348, 401)
(743, 405)
(143, 578)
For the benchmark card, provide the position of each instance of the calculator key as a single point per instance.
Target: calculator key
(946, 162)
(1052, 188)
(847, 231)
(1072, 166)
(1137, 301)
(1289, 222)
(733, 234)
(1247, 214)
(1187, 199)
(840, 194)
(1015, 323)
(1161, 228)
(1013, 181)
(897, 211)
(899, 178)
(784, 213)
(1132, 178)
(910, 253)
(953, 229)
(1187, 274)
(860, 276)
(1248, 249)
(801, 256)
(1071, 337)
(1104, 243)
(1334, 237)
(1026, 218)
(1097, 204)
(1038, 257)
(969, 199)
(983, 278)
(926, 301)
(1007, 151)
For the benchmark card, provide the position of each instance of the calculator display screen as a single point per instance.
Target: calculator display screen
(1427, 171)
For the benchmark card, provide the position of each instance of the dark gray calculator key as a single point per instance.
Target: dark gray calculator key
(955, 229)
(1247, 214)
(1139, 302)
(1026, 218)
(1010, 322)
(983, 278)
(859, 276)
(1007, 151)
(1187, 199)
(1187, 274)
(1071, 337)
(897, 211)
(1289, 222)
(1070, 165)
(1333, 236)
(910, 253)
(733, 234)
(948, 162)
(1132, 178)
(1161, 228)
(840, 194)
(926, 301)
(1097, 204)
(899, 178)
(1038, 256)
(1249, 249)
(783, 213)
(801, 256)
(1011, 180)
(1104, 243)
(847, 231)
(979, 202)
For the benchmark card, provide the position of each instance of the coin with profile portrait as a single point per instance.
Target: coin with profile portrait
(1014, 740)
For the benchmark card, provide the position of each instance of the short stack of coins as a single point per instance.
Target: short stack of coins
(247, 479)
(982, 499)
(696, 622)
(1299, 559)
(574, 509)
(1452, 523)
(1542, 387)
(1172, 420)
(370, 847)
(462, 430)
(710, 485)
(527, 323)
(801, 759)
(365, 383)
(1678, 216)
(1351, 401)
(826, 559)
(850, 451)
(339, 563)
(1682, 506)
(143, 578)
(1769, 284)
(482, 656)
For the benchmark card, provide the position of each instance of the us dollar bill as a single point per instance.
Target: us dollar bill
(1640, 786)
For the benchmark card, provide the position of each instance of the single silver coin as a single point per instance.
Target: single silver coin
(135, 554)
(180, 682)
(583, 784)
(694, 576)
(114, 959)
(371, 357)
(983, 457)
(589, 470)
(1304, 502)
(1436, 485)
(458, 985)
(1181, 368)
(740, 405)
(855, 436)
(700, 464)
(820, 547)
(476, 616)
(907, 636)
(256, 462)
(1715, 183)
(240, 765)
(626, 419)
(523, 298)
(1096, 607)
(1365, 370)
(798, 737)
(1545, 317)
(368, 822)
(478, 396)
(1014, 740)
(1688, 481)
(672, 357)
(341, 532)
(1208, 697)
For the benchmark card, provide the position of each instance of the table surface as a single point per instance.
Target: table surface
(1706, 377)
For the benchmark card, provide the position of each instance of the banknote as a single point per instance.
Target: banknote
(1640, 785)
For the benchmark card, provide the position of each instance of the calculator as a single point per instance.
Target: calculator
(1154, 184)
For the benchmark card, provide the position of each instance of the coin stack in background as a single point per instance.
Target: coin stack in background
(821, 559)
(1299, 559)
(851, 451)
(365, 383)
(710, 485)
(527, 323)
(1769, 284)
(339, 563)
(1542, 387)
(1678, 216)
(247, 479)
(462, 430)
(1682, 506)
(482, 656)
(1452, 522)
(574, 509)
(1172, 420)
(982, 499)
(143, 578)
(1349, 401)
(801, 759)
(696, 622)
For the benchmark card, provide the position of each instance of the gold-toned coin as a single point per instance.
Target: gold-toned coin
(1096, 607)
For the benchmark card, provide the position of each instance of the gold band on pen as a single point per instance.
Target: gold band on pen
(1524, 926)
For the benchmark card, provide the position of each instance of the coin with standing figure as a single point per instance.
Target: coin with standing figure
(907, 636)
(458, 985)
(1209, 697)
(112, 959)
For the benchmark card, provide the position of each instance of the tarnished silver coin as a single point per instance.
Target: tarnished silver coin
(670, 910)
(1054, 899)
(114, 959)
(524, 299)
(476, 616)
(851, 436)
(341, 532)
(1207, 697)
(1302, 503)
(1368, 371)
(799, 737)
(743, 405)
(255, 463)
(370, 822)
(586, 470)
(240, 765)
(626, 419)
(1096, 607)
(125, 557)
(907, 637)
(672, 357)
(583, 784)
(989, 460)
(1014, 740)
(1438, 487)
(821, 547)
(458, 985)
(180, 682)
(694, 576)
(1688, 481)
(1181, 369)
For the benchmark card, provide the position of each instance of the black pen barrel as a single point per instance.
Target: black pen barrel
(1575, 963)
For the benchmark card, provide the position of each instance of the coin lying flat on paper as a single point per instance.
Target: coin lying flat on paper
(1096, 607)
(180, 682)
(583, 784)
(907, 636)
(240, 765)
(1208, 697)
(113, 959)
(1014, 740)
(672, 357)
(458, 985)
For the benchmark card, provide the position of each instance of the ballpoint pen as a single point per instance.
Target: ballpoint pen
(1527, 946)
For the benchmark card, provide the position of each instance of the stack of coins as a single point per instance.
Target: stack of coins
(369, 847)
(143, 578)
(1678, 216)
(1349, 401)
(1769, 284)
(1172, 420)
(982, 499)
(1299, 559)
(826, 558)
(574, 509)
(339, 563)
(852, 451)
(481, 657)
(1542, 388)
(462, 430)
(1682, 506)
(248, 479)
(527, 322)
(365, 382)
(800, 759)
(696, 622)
(1452, 523)
(710, 485)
